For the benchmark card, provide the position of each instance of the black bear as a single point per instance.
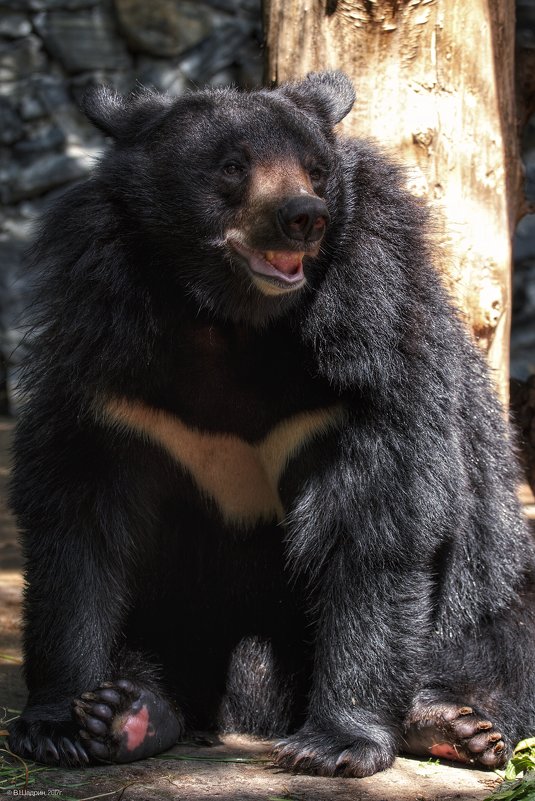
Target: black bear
(262, 480)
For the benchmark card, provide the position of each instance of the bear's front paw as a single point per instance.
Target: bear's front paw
(327, 752)
(48, 741)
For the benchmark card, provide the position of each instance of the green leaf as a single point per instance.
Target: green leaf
(520, 790)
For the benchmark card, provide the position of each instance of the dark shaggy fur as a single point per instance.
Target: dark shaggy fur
(389, 608)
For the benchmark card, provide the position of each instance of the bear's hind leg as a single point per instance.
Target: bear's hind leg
(479, 703)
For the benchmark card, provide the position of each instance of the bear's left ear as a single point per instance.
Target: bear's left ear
(329, 94)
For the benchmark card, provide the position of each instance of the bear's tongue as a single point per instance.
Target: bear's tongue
(284, 265)
(288, 262)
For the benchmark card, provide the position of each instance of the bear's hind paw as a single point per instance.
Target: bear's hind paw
(452, 731)
(121, 722)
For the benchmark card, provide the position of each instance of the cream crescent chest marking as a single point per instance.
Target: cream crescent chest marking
(240, 477)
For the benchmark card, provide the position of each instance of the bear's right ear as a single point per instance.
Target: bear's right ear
(106, 109)
(119, 116)
(329, 95)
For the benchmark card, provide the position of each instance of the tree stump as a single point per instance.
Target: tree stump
(435, 86)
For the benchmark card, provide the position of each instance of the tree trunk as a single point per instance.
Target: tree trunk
(435, 86)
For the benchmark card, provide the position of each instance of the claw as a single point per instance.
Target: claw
(81, 753)
(51, 749)
(494, 757)
(69, 748)
(304, 758)
(342, 759)
(278, 747)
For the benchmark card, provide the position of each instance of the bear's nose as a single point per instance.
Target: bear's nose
(303, 217)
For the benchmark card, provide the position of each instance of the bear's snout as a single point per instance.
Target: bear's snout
(303, 218)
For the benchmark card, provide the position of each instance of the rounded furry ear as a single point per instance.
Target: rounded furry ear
(329, 94)
(105, 108)
(124, 117)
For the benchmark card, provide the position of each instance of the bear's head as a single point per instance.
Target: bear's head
(227, 193)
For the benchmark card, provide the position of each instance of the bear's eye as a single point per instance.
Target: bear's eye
(234, 169)
(316, 174)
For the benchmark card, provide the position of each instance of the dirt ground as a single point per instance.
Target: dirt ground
(235, 769)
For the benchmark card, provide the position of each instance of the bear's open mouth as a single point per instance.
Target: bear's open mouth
(284, 268)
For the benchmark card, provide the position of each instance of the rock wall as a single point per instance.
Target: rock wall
(50, 52)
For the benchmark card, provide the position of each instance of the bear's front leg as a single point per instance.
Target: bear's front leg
(367, 646)
(73, 609)
(82, 550)
(75, 602)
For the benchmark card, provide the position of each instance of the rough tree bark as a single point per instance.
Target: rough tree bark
(435, 86)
